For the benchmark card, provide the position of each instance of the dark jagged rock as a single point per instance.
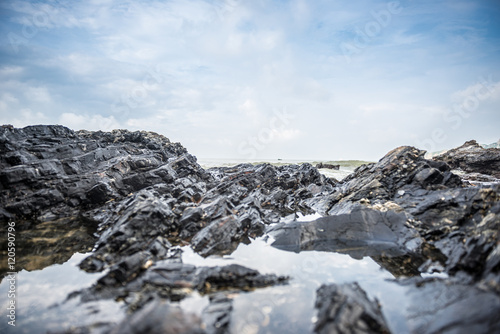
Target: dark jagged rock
(451, 227)
(48, 171)
(473, 158)
(138, 224)
(438, 206)
(346, 309)
(462, 223)
(378, 183)
(135, 197)
(327, 166)
(222, 236)
(144, 193)
(136, 279)
(224, 213)
(402, 168)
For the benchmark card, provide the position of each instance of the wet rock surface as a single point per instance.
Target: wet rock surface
(136, 200)
(48, 171)
(456, 307)
(473, 158)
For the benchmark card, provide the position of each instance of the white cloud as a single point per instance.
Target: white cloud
(10, 71)
(27, 117)
(301, 12)
(211, 73)
(158, 123)
(78, 63)
(89, 122)
(483, 89)
(8, 98)
(286, 134)
(251, 112)
(38, 94)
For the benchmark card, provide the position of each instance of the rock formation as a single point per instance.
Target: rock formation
(473, 158)
(134, 199)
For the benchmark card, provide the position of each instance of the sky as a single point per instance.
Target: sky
(255, 79)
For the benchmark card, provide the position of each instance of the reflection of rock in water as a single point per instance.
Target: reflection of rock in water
(362, 232)
(158, 317)
(361, 225)
(400, 266)
(217, 315)
(346, 309)
(50, 242)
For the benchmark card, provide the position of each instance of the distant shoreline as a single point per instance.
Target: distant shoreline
(346, 166)
(215, 162)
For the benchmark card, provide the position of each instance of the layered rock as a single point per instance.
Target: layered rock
(135, 199)
(473, 158)
(49, 171)
(439, 224)
(143, 195)
(437, 205)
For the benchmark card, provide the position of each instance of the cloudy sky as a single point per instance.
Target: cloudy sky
(257, 79)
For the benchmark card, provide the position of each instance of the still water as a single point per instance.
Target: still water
(42, 303)
(290, 308)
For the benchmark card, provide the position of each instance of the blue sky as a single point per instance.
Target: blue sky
(290, 79)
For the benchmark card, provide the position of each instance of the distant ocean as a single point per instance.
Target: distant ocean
(346, 166)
